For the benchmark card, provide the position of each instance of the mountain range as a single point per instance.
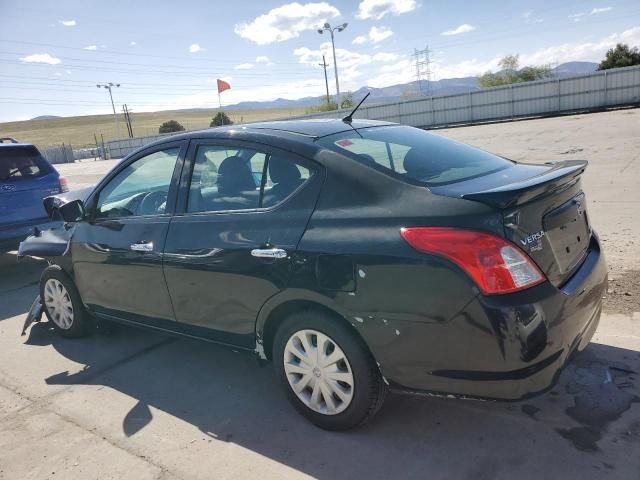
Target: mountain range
(394, 93)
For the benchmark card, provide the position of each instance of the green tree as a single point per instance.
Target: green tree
(620, 56)
(220, 119)
(170, 126)
(347, 101)
(323, 107)
(511, 73)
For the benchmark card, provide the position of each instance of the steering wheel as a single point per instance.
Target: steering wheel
(151, 203)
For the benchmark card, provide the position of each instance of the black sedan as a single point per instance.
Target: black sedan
(358, 256)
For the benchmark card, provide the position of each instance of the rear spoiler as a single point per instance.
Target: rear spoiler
(559, 176)
(52, 203)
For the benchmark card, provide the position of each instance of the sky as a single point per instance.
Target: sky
(168, 55)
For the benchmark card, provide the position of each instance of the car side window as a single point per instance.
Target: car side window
(141, 188)
(225, 178)
(284, 177)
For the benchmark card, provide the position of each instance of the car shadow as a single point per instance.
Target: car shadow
(18, 283)
(226, 396)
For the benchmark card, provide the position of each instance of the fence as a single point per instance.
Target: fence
(588, 92)
(61, 154)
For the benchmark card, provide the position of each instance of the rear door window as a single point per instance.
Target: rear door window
(415, 155)
(240, 178)
(21, 163)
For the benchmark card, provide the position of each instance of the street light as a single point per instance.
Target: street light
(109, 86)
(328, 28)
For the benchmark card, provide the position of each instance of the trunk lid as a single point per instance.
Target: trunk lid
(544, 211)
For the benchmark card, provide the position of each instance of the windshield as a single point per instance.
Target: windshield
(415, 155)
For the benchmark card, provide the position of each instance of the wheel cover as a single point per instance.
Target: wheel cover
(318, 372)
(58, 303)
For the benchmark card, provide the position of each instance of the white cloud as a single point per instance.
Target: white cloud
(244, 66)
(68, 72)
(351, 65)
(376, 9)
(262, 59)
(132, 43)
(576, 17)
(91, 47)
(464, 28)
(194, 48)
(378, 34)
(360, 40)
(286, 22)
(597, 10)
(530, 18)
(588, 51)
(68, 23)
(41, 58)
(375, 35)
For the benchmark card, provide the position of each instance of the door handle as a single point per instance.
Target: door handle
(269, 253)
(142, 247)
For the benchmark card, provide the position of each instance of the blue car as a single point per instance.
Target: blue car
(26, 177)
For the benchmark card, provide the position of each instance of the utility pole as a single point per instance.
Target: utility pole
(127, 118)
(331, 30)
(326, 81)
(423, 70)
(109, 86)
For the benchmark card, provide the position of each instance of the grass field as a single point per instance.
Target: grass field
(79, 131)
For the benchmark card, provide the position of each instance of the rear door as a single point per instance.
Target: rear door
(244, 208)
(25, 179)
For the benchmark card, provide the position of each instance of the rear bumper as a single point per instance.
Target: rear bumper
(12, 235)
(502, 347)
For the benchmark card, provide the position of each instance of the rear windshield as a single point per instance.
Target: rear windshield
(21, 163)
(415, 155)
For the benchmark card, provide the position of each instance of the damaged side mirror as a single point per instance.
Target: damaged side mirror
(72, 211)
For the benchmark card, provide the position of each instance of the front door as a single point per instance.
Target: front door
(117, 251)
(244, 210)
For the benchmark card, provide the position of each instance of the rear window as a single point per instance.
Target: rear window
(415, 155)
(21, 163)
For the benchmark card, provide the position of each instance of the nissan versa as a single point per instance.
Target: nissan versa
(357, 256)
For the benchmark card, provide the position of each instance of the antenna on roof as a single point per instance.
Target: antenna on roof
(349, 118)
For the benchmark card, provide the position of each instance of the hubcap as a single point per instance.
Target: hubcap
(58, 303)
(318, 372)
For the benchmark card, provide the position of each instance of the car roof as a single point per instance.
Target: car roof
(318, 127)
(311, 129)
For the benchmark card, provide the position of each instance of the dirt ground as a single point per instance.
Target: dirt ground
(127, 403)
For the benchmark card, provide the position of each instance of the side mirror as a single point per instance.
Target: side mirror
(72, 211)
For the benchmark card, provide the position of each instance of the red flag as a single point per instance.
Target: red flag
(222, 86)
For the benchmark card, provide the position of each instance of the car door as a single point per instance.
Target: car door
(117, 251)
(242, 211)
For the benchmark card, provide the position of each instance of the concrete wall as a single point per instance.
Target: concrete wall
(609, 88)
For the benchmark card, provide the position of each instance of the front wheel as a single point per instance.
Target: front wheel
(327, 371)
(62, 304)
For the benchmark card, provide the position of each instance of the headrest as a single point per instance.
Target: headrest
(283, 171)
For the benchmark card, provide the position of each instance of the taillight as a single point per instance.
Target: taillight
(494, 264)
(64, 185)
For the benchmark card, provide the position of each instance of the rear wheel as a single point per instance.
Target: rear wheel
(327, 371)
(62, 304)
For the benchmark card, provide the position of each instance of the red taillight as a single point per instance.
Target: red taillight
(494, 264)
(64, 185)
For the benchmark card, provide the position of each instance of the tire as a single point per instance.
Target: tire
(354, 385)
(62, 304)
